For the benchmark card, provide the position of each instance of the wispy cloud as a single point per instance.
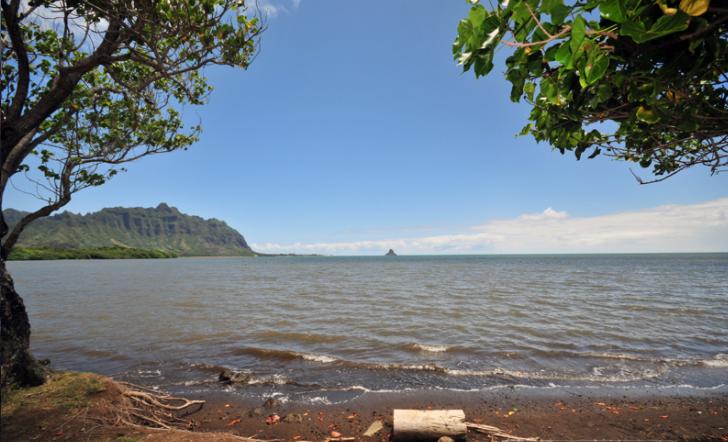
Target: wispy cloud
(272, 9)
(699, 227)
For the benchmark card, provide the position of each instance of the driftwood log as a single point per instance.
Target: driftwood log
(423, 425)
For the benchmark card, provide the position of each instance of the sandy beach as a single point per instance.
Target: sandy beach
(550, 415)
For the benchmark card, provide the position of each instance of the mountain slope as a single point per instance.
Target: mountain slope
(163, 228)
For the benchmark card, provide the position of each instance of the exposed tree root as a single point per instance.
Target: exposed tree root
(142, 407)
(145, 409)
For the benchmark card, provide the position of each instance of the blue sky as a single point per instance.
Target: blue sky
(354, 124)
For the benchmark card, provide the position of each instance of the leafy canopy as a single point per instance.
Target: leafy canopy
(639, 80)
(89, 85)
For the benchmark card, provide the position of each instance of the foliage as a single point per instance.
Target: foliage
(88, 86)
(33, 254)
(162, 229)
(640, 80)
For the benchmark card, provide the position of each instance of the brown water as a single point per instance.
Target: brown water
(328, 329)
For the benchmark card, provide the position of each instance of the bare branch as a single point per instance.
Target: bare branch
(63, 198)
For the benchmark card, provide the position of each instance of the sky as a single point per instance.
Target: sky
(354, 131)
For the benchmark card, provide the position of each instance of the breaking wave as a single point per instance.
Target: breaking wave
(427, 348)
(286, 355)
(609, 374)
(720, 361)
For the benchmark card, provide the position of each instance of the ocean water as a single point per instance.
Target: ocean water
(331, 328)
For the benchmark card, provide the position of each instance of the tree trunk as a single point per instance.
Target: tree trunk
(17, 366)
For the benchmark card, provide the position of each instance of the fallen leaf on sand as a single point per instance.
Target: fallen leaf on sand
(664, 417)
(351, 416)
(233, 422)
(335, 434)
(272, 419)
(297, 437)
(228, 405)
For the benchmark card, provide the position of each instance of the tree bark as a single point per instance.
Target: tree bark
(17, 366)
(423, 425)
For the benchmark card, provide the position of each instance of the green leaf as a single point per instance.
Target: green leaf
(521, 13)
(529, 89)
(563, 56)
(559, 13)
(557, 10)
(665, 25)
(578, 32)
(550, 53)
(614, 10)
(549, 5)
(594, 154)
(596, 65)
(477, 15)
(548, 89)
(604, 91)
(646, 115)
(483, 63)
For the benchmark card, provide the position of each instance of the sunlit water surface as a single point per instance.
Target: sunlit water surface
(329, 328)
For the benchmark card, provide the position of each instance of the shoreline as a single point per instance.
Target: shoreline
(86, 406)
(555, 414)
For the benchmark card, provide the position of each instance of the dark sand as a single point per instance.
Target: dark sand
(559, 414)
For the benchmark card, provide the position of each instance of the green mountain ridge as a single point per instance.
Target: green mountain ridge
(162, 228)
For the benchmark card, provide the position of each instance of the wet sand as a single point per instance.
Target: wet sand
(551, 415)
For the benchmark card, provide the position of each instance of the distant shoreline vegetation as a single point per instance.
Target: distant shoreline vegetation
(115, 252)
(33, 254)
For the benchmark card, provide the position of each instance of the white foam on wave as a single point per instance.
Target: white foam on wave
(550, 386)
(430, 348)
(317, 358)
(620, 356)
(282, 398)
(276, 379)
(596, 376)
(720, 361)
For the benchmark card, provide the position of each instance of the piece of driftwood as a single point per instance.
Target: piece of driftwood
(374, 428)
(429, 424)
(497, 432)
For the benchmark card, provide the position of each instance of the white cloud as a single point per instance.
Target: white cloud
(86, 35)
(699, 227)
(549, 213)
(272, 9)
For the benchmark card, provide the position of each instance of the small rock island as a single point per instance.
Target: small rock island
(391, 253)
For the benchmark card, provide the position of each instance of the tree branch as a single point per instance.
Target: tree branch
(61, 87)
(64, 197)
(21, 54)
